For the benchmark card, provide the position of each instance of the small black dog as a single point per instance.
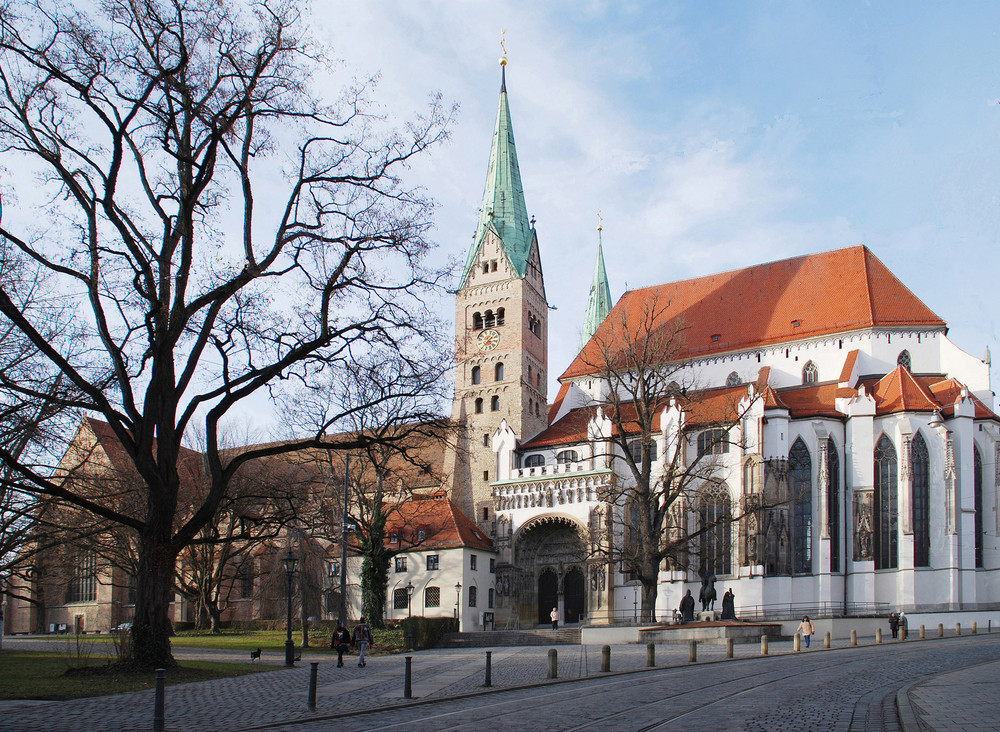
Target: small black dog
(254, 655)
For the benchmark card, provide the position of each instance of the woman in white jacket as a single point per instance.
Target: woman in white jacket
(806, 628)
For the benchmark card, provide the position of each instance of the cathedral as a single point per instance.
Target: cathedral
(866, 437)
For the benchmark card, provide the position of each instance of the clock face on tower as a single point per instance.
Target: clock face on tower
(488, 340)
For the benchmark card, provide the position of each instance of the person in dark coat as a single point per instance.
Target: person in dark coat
(687, 607)
(340, 641)
(729, 605)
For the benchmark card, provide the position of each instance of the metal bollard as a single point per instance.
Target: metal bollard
(605, 658)
(313, 671)
(729, 647)
(797, 643)
(854, 637)
(692, 651)
(826, 639)
(489, 668)
(903, 632)
(650, 654)
(923, 633)
(554, 663)
(407, 686)
(878, 635)
(763, 645)
(158, 716)
(940, 630)
(958, 629)
(975, 627)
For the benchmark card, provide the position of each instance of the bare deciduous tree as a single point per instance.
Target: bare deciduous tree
(649, 392)
(218, 231)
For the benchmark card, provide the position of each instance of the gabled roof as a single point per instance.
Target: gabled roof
(444, 525)
(503, 210)
(813, 295)
(898, 391)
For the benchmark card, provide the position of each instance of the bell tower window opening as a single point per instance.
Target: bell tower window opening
(500, 314)
(493, 265)
(476, 375)
(498, 372)
(477, 321)
(534, 324)
(490, 319)
(486, 267)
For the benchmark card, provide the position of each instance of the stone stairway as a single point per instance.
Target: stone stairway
(494, 638)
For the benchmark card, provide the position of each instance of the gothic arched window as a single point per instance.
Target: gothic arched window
(833, 502)
(712, 442)
(498, 372)
(977, 480)
(476, 375)
(810, 373)
(884, 510)
(800, 494)
(921, 499)
(733, 379)
(714, 516)
(495, 404)
(904, 360)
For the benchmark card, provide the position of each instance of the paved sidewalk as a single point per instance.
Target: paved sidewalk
(959, 701)
(964, 699)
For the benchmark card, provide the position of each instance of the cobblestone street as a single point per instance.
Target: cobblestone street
(842, 689)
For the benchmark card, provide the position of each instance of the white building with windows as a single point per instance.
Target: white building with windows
(444, 565)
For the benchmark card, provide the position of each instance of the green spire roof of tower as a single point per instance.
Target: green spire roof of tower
(503, 210)
(599, 302)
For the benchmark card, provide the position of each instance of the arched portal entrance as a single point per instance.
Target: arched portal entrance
(550, 554)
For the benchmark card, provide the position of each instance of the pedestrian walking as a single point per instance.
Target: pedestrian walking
(894, 624)
(340, 641)
(554, 617)
(806, 628)
(362, 638)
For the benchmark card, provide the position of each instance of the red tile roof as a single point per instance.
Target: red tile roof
(808, 296)
(445, 526)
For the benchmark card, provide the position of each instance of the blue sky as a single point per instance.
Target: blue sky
(712, 135)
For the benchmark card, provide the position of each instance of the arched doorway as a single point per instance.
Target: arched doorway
(573, 595)
(547, 550)
(548, 593)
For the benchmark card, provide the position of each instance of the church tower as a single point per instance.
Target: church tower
(599, 301)
(501, 327)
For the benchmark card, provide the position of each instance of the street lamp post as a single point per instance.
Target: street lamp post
(458, 604)
(290, 560)
(409, 615)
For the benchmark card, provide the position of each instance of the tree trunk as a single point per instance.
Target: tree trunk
(151, 627)
(648, 607)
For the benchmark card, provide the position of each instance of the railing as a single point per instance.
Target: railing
(794, 610)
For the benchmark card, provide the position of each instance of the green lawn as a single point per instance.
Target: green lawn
(386, 641)
(43, 675)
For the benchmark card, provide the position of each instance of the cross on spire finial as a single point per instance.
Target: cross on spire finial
(503, 46)
(600, 221)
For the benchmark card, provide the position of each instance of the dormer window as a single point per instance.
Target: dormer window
(393, 537)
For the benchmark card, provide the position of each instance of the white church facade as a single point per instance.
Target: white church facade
(848, 400)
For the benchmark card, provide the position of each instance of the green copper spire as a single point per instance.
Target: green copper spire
(599, 302)
(503, 210)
